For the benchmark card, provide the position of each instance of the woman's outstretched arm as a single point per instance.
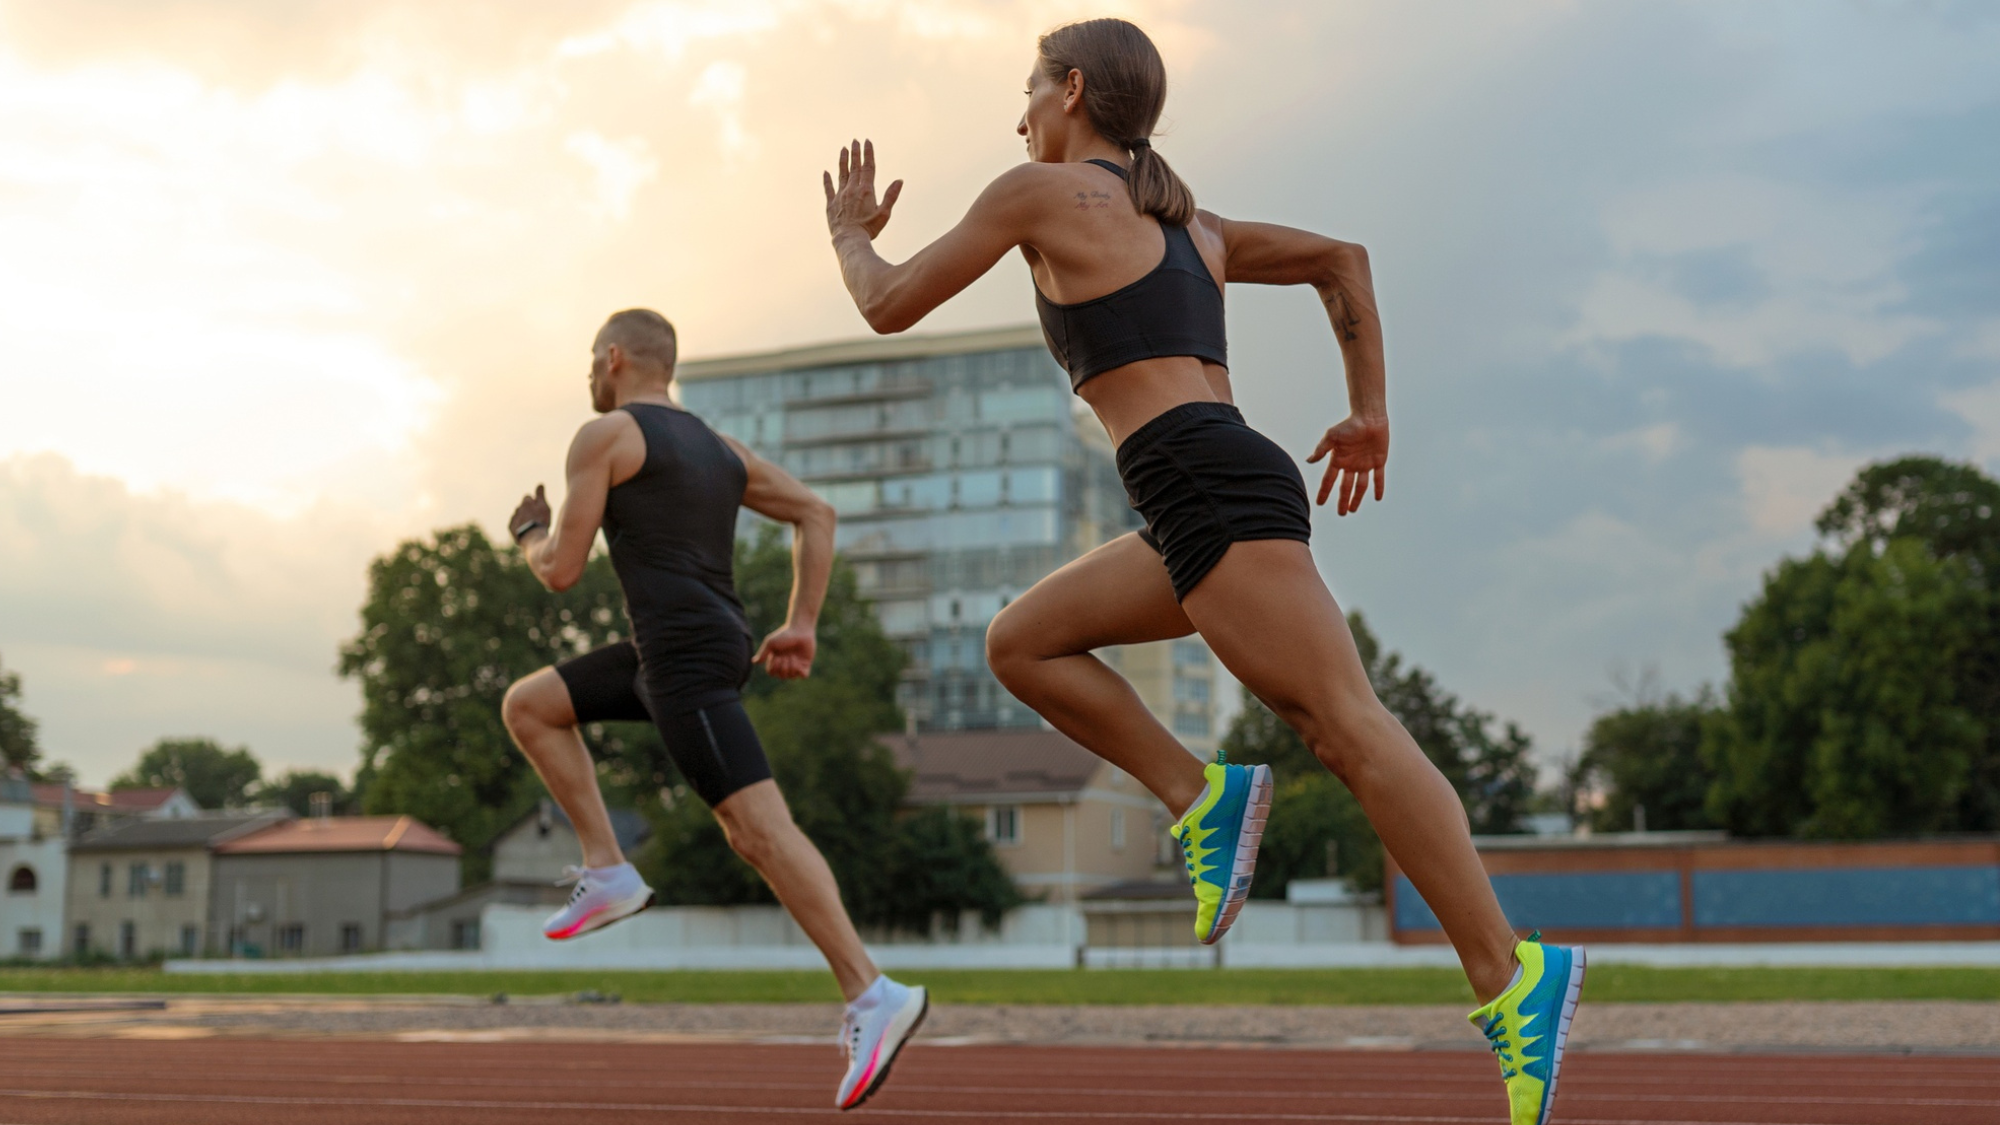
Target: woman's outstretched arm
(1357, 449)
(893, 297)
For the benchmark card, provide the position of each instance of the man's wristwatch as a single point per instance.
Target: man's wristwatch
(524, 529)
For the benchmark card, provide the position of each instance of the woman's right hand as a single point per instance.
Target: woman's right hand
(1356, 451)
(851, 205)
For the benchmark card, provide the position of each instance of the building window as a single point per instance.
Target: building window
(292, 938)
(1190, 690)
(350, 937)
(1191, 654)
(1003, 824)
(104, 880)
(465, 933)
(22, 881)
(81, 946)
(1117, 830)
(190, 940)
(29, 941)
(128, 940)
(176, 882)
(136, 878)
(1191, 724)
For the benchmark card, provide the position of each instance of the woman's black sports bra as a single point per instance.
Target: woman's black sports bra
(1174, 310)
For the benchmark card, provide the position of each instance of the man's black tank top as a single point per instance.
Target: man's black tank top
(1174, 310)
(672, 532)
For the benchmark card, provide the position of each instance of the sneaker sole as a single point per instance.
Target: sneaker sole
(1570, 1000)
(882, 1075)
(1248, 838)
(600, 920)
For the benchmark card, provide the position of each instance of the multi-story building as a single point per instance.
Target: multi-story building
(141, 887)
(963, 471)
(327, 884)
(36, 871)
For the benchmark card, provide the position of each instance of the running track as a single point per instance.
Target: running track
(316, 1082)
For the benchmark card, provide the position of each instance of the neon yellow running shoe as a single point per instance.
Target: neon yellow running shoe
(1219, 837)
(1528, 1025)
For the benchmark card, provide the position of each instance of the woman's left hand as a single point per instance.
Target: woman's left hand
(851, 205)
(1356, 450)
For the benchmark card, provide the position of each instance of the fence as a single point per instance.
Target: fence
(1668, 887)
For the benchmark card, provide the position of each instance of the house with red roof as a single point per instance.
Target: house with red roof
(326, 885)
(66, 811)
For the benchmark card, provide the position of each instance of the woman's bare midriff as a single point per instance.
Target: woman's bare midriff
(1126, 398)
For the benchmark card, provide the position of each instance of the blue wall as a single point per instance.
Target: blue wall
(1839, 896)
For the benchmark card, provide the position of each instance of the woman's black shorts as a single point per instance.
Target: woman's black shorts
(1203, 479)
(711, 742)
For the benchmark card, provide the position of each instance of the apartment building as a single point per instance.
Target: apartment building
(35, 870)
(964, 471)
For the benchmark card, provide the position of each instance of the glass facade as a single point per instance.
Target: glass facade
(962, 471)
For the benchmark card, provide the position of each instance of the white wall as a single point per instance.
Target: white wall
(42, 910)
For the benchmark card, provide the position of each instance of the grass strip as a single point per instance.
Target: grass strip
(1607, 983)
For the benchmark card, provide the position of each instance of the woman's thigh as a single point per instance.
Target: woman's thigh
(1268, 616)
(1117, 594)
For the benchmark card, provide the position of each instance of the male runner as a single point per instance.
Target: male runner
(666, 489)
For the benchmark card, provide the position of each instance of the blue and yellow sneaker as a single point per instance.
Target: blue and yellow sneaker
(1219, 838)
(1528, 1025)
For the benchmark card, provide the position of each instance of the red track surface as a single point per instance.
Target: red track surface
(314, 1082)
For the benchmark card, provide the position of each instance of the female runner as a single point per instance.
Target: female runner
(1128, 276)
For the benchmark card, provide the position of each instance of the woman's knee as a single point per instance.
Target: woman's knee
(1009, 650)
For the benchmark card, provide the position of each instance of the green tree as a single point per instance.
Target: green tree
(294, 790)
(1850, 711)
(448, 624)
(18, 748)
(1647, 755)
(216, 777)
(1954, 510)
(1316, 827)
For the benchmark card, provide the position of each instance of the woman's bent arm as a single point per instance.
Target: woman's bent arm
(893, 297)
(1265, 254)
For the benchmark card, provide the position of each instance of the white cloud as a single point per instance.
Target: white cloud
(720, 88)
(622, 167)
(1980, 407)
(1784, 489)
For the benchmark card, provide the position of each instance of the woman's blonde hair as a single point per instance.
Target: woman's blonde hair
(1124, 90)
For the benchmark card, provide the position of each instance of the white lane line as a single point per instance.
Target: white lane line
(799, 1111)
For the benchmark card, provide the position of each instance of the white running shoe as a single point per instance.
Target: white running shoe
(603, 895)
(873, 1031)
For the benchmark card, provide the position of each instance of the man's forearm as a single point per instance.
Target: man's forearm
(812, 567)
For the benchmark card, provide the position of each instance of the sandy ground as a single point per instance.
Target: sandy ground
(1830, 1025)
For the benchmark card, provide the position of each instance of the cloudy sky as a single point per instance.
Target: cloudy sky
(284, 281)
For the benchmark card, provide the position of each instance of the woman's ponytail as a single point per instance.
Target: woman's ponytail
(1124, 90)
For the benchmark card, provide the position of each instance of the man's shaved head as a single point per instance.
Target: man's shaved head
(642, 334)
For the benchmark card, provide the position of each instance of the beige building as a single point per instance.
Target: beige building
(1061, 820)
(140, 888)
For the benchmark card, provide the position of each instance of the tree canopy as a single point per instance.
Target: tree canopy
(18, 748)
(1316, 827)
(295, 789)
(215, 776)
(1647, 755)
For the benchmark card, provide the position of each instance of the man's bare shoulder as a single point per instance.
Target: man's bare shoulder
(603, 434)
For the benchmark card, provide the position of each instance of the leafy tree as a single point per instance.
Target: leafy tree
(1954, 510)
(294, 790)
(216, 777)
(1851, 714)
(1316, 827)
(448, 624)
(17, 731)
(1648, 755)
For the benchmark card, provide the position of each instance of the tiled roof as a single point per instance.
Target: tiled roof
(959, 766)
(187, 832)
(343, 834)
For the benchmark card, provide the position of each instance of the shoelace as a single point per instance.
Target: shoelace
(850, 1035)
(1496, 1038)
(573, 874)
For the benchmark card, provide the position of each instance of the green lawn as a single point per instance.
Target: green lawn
(1131, 986)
